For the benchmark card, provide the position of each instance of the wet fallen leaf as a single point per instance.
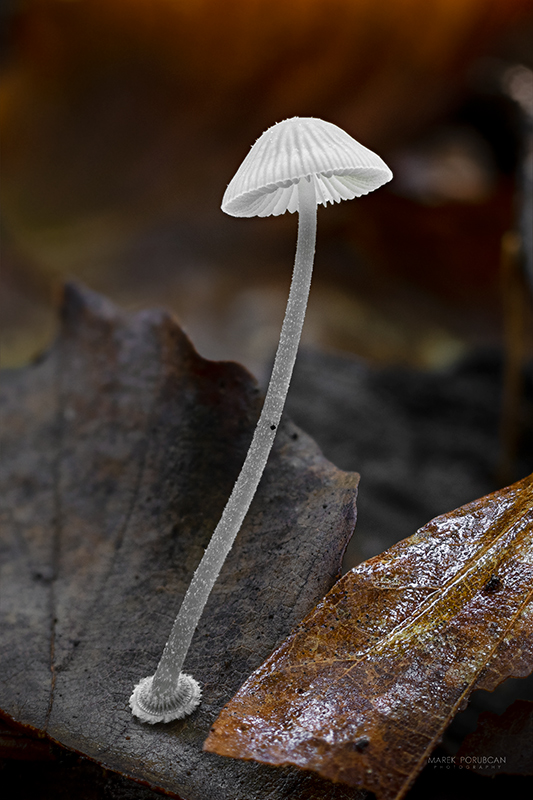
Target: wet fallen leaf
(363, 689)
(501, 743)
(14, 745)
(119, 449)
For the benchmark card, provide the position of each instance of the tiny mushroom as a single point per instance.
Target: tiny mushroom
(294, 166)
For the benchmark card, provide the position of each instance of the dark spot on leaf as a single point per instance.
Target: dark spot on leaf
(494, 584)
(361, 744)
(44, 576)
(272, 427)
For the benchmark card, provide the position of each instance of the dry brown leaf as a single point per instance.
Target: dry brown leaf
(363, 689)
(119, 450)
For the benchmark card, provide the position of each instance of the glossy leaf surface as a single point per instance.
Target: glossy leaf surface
(363, 689)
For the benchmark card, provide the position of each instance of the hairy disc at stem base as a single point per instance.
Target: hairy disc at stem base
(149, 708)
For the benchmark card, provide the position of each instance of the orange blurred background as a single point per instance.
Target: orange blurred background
(122, 121)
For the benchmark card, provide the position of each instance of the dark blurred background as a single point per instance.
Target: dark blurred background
(122, 121)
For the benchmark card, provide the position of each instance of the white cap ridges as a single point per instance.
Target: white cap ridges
(266, 182)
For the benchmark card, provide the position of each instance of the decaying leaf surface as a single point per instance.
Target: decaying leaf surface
(119, 450)
(363, 689)
(501, 743)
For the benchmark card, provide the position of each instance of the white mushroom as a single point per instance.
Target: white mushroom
(294, 166)
(269, 179)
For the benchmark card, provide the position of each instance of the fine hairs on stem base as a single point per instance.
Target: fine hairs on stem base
(148, 708)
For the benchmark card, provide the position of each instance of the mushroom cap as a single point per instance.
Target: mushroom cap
(266, 182)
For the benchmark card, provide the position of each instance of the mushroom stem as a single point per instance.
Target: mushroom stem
(245, 487)
(162, 691)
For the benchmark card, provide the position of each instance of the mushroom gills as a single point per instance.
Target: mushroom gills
(330, 188)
